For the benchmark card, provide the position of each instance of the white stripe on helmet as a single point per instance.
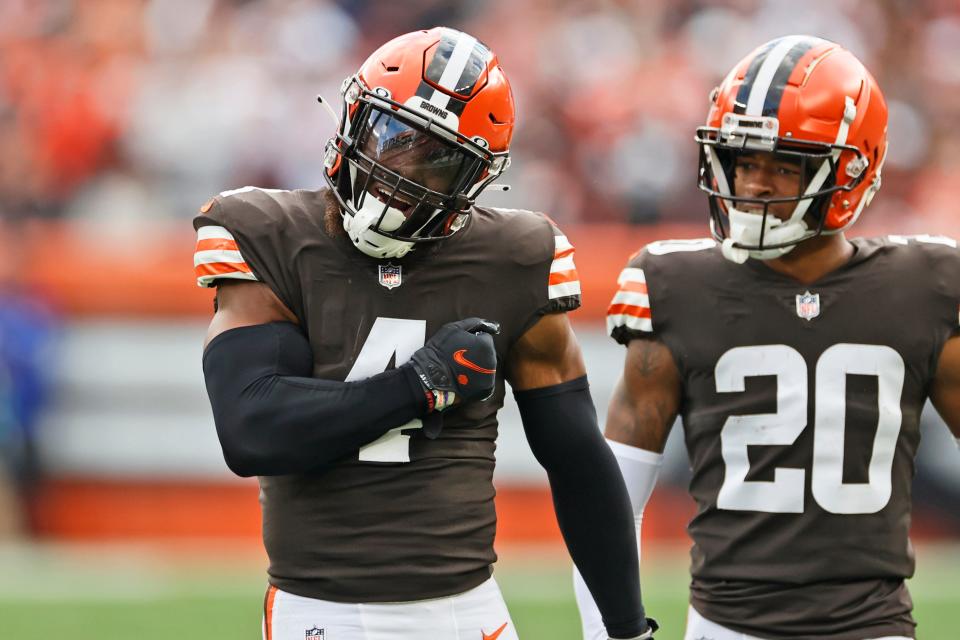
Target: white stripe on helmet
(761, 85)
(454, 69)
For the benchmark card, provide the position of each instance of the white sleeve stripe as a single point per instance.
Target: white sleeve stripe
(631, 274)
(208, 232)
(561, 243)
(217, 255)
(563, 289)
(208, 280)
(630, 322)
(563, 264)
(632, 298)
(247, 189)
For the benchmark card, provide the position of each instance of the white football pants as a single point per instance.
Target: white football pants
(478, 614)
(699, 628)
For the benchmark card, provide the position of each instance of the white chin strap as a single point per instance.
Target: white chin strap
(746, 228)
(369, 241)
(357, 225)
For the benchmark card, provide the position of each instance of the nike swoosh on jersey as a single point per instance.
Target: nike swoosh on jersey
(459, 358)
(495, 634)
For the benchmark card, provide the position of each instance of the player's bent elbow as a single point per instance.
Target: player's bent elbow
(243, 458)
(240, 465)
(245, 439)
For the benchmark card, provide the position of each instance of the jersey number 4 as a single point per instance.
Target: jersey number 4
(785, 494)
(397, 339)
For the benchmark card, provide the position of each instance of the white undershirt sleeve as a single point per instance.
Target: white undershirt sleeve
(640, 469)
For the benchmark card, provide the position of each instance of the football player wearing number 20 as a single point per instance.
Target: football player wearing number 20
(799, 360)
(357, 358)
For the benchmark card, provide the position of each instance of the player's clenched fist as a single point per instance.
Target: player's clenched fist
(459, 363)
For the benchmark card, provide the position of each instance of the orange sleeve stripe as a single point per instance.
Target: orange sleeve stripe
(220, 268)
(628, 310)
(636, 287)
(563, 253)
(560, 277)
(212, 244)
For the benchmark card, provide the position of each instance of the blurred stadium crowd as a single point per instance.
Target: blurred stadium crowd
(129, 114)
(126, 110)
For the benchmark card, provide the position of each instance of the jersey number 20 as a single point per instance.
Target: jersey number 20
(785, 494)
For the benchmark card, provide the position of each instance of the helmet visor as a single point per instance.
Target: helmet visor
(414, 154)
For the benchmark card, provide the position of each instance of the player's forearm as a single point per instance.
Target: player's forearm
(598, 529)
(273, 419)
(591, 501)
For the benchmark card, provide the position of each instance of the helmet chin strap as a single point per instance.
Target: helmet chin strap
(357, 225)
(746, 229)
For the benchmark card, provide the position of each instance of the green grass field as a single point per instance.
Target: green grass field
(97, 593)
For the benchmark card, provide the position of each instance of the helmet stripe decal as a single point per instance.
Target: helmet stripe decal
(455, 106)
(743, 93)
(758, 92)
(782, 55)
(424, 90)
(458, 61)
(427, 92)
(771, 104)
(476, 65)
(441, 57)
(448, 64)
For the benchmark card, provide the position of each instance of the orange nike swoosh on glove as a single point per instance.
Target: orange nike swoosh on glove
(495, 634)
(459, 358)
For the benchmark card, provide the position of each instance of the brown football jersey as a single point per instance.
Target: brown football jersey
(405, 517)
(800, 408)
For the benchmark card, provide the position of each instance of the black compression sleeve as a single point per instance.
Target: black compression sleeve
(590, 498)
(273, 419)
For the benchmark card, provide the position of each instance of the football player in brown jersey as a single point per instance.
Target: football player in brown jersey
(350, 367)
(799, 360)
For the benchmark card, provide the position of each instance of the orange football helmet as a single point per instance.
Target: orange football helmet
(425, 127)
(804, 99)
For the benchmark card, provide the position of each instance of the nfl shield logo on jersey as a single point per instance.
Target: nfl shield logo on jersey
(390, 275)
(314, 634)
(808, 305)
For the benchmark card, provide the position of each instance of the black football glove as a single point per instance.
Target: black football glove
(458, 363)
